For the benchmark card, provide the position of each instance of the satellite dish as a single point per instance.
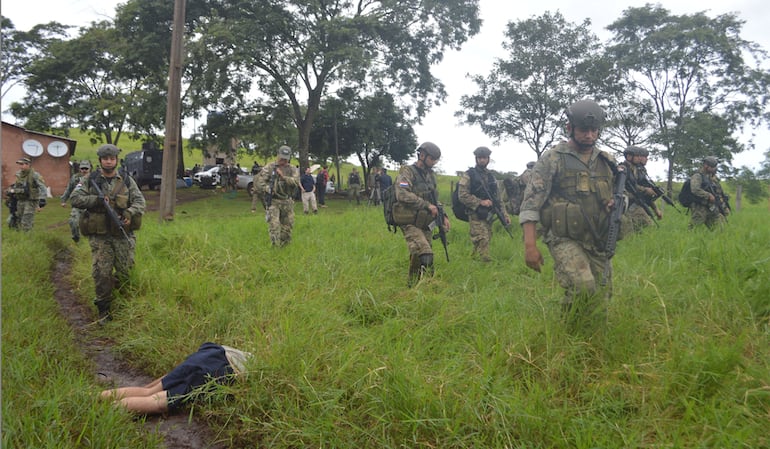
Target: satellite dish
(57, 148)
(32, 147)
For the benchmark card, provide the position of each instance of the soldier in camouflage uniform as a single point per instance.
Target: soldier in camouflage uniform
(570, 195)
(30, 192)
(705, 210)
(636, 217)
(111, 250)
(477, 190)
(280, 181)
(74, 221)
(416, 204)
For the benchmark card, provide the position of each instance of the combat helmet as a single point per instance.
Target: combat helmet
(711, 161)
(585, 114)
(431, 149)
(482, 152)
(107, 149)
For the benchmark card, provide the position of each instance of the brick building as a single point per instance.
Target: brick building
(50, 155)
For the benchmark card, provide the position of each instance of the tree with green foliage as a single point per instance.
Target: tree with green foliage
(20, 48)
(550, 64)
(752, 186)
(694, 72)
(91, 83)
(372, 128)
(299, 48)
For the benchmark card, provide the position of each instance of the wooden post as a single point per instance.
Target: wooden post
(172, 142)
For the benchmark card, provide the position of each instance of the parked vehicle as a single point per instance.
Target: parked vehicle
(246, 181)
(145, 166)
(207, 179)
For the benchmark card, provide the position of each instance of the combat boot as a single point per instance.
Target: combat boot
(426, 265)
(414, 270)
(103, 309)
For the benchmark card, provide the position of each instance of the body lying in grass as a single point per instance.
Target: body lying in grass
(171, 392)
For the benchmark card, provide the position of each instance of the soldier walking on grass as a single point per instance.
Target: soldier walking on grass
(477, 190)
(417, 205)
(29, 193)
(277, 185)
(710, 207)
(571, 195)
(112, 244)
(77, 178)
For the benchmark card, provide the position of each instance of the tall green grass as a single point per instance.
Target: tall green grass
(348, 357)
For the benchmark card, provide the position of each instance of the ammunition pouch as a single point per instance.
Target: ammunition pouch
(566, 220)
(94, 223)
(403, 215)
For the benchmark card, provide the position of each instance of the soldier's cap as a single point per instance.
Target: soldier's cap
(284, 152)
(24, 160)
(530, 164)
(711, 161)
(85, 164)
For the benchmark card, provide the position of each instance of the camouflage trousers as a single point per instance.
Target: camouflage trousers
(710, 216)
(354, 193)
(280, 221)
(26, 210)
(110, 253)
(634, 220)
(418, 240)
(481, 234)
(74, 221)
(579, 271)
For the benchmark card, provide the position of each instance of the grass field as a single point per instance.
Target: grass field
(348, 357)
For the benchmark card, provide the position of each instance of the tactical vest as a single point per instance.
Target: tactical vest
(478, 180)
(96, 221)
(27, 187)
(424, 186)
(282, 190)
(576, 208)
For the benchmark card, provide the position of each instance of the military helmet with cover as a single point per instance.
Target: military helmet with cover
(531, 164)
(585, 114)
(107, 149)
(482, 152)
(431, 149)
(711, 161)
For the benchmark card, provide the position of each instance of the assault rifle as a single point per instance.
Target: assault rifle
(13, 206)
(641, 200)
(114, 217)
(615, 216)
(659, 193)
(440, 217)
(498, 210)
(719, 200)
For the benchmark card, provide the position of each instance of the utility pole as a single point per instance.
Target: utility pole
(173, 142)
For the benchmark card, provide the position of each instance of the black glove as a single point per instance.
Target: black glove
(41, 203)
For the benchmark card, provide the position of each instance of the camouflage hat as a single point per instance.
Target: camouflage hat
(24, 160)
(711, 161)
(531, 164)
(284, 152)
(482, 152)
(85, 164)
(107, 149)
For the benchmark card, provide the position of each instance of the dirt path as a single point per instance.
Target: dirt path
(179, 431)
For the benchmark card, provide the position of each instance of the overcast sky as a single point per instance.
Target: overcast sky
(457, 141)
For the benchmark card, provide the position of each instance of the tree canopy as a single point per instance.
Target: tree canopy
(550, 64)
(693, 69)
(296, 50)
